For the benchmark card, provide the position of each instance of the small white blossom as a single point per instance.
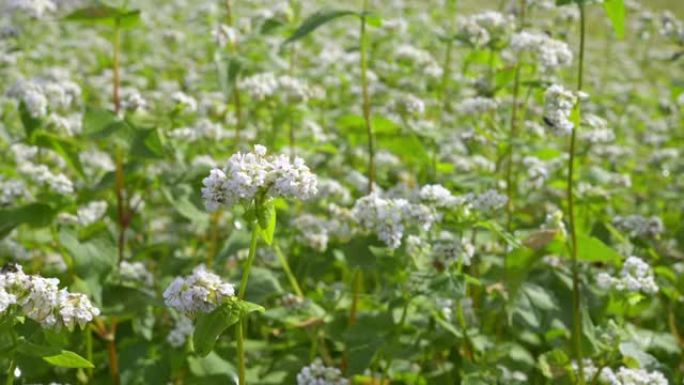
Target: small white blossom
(202, 291)
(319, 374)
(558, 105)
(635, 276)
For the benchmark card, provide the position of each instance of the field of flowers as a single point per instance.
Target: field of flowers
(372, 192)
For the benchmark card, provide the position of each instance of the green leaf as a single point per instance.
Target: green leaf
(615, 10)
(95, 257)
(28, 121)
(266, 222)
(316, 20)
(210, 366)
(211, 325)
(67, 359)
(100, 13)
(591, 249)
(100, 123)
(34, 215)
(68, 148)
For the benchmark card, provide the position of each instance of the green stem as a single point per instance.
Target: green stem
(248, 263)
(10, 372)
(576, 299)
(366, 101)
(356, 288)
(239, 331)
(240, 337)
(286, 266)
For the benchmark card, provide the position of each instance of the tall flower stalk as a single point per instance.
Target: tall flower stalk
(513, 132)
(363, 44)
(576, 297)
(237, 98)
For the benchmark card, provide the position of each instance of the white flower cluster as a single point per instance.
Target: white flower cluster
(624, 375)
(537, 170)
(184, 101)
(91, 213)
(639, 226)
(203, 129)
(411, 105)
(248, 174)
(450, 249)
(313, 231)
(202, 291)
(330, 188)
(485, 28)
(671, 26)
(42, 175)
(387, 218)
(265, 85)
(43, 94)
(41, 300)
(180, 332)
(489, 200)
(439, 196)
(550, 53)
(319, 374)
(558, 105)
(477, 105)
(135, 272)
(35, 8)
(11, 190)
(635, 276)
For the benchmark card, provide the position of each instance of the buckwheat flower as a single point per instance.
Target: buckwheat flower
(260, 86)
(450, 250)
(133, 101)
(634, 376)
(383, 216)
(411, 105)
(184, 101)
(558, 105)
(438, 196)
(635, 276)
(11, 190)
(247, 175)
(476, 105)
(639, 226)
(313, 231)
(181, 331)
(91, 213)
(213, 192)
(332, 189)
(319, 374)
(485, 28)
(135, 272)
(293, 89)
(200, 292)
(6, 300)
(549, 52)
(75, 309)
(537, 170)
(35, 8)
(489, 200)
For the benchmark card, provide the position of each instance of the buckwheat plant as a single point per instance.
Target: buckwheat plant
(253, 180)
